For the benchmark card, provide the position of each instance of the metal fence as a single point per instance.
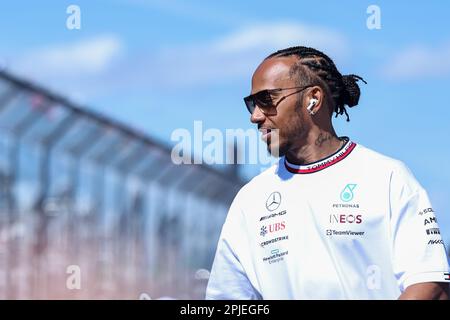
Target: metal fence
(83, 195)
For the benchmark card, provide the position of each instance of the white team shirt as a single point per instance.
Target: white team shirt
(355, 225)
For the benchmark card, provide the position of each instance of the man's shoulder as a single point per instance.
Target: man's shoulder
(378, 160)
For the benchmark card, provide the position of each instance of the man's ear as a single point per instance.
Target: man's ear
(313, 100)
(317, 93)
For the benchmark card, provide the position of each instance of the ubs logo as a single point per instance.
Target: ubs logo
(271, 228)
(273, 201)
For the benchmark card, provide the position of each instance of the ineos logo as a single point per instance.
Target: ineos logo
(345, 218)
(273, 201)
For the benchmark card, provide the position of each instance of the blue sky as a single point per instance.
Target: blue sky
(160, 65)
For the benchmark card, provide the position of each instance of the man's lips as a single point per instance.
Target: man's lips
(265, 133)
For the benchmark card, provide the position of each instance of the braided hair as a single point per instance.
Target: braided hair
(344, 89)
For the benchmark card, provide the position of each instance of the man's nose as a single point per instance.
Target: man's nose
(257, 115)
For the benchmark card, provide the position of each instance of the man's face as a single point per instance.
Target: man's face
(289, 118)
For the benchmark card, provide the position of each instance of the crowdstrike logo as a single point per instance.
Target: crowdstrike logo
(273, 201)
(265, 243)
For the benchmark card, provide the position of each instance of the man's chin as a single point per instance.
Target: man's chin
(275, 150)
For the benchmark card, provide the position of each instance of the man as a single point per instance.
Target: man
(332, 219)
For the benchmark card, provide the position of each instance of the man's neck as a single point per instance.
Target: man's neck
(318, 145)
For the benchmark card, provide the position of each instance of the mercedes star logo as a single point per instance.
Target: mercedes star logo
(274, 201)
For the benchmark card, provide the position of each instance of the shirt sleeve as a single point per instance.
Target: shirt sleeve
(418, 249)
(229, 279)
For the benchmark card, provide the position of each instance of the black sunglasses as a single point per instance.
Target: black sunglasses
(264, 100)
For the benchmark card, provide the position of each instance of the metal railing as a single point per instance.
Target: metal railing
(80, 191)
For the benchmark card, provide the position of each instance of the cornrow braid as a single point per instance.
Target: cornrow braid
(344, 89)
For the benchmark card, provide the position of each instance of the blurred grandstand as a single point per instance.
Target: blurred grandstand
(77, 188)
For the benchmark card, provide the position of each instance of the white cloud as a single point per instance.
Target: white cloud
(417, 62)
(76, 69)
(236, 55)
(280, 35)
(87, 57)
(97, 65)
